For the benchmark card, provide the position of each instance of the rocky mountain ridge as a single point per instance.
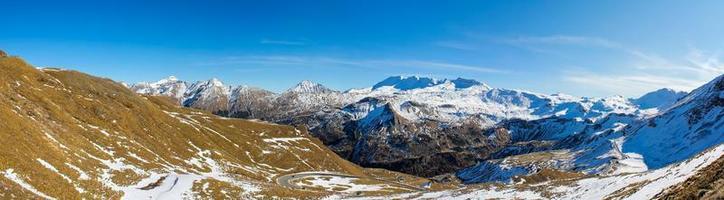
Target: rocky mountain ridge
(437, 123)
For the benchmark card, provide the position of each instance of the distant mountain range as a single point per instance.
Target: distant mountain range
(471, 96)
(404, 122)
(69, 135)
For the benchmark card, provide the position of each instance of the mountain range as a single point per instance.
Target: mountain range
(404, 122)
(70, 135)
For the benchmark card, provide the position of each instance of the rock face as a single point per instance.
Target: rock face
(420, 125)
(3, 54)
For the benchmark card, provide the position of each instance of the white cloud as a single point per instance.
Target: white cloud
(533, 43)
(645, 72)
(457, 45)
(697, 69)
(282, 42)
(631, 85)
(321, 61)
(563, 40)
(700, 62)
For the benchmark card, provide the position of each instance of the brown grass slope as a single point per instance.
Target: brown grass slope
(95, 133)
(708, 183)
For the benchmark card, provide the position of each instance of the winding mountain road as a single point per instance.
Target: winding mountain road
(286, 180)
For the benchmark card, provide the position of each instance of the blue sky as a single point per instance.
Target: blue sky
(582, 48)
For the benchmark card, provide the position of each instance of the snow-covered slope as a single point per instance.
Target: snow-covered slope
(621, 143)
(446, 103)
(660, 99)
(406, 83)
(643, 185)
(691, 125)
(416, 82)
(170, 86)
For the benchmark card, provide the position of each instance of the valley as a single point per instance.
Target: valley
(69, 135)
(361, 100)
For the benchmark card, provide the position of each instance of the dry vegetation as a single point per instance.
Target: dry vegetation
(69, 135)
(93, 132)
(706, 184)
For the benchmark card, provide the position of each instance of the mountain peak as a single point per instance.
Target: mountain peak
(307, 86)
(215, 82)
(407, 82)
(466, 83)
(169, 86)
(208, 85)
(660, 99)
(306, 83)
(417, 82)
(169, 79)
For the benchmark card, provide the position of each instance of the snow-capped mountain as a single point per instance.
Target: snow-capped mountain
(450, 101)
(692, 124)
(170, 86)
(309, 87)
(209, 95)
(431, 122)
(305, 97)
(617, 143)
(660, 99)
(416, 82)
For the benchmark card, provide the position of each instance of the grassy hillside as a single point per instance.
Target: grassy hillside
(708, 183)
(68, 135)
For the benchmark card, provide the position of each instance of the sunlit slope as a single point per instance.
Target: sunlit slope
(68, 135)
